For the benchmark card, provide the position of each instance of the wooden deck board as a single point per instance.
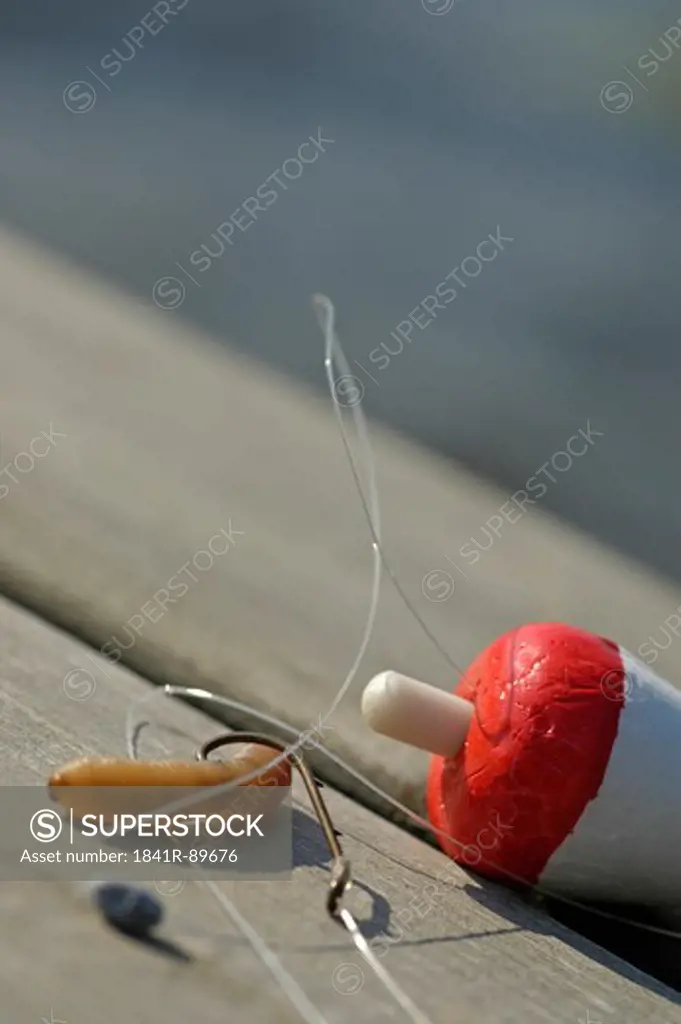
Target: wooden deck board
(170, 438)
(472, 952)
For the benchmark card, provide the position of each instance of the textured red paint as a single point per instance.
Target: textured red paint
(548, 699)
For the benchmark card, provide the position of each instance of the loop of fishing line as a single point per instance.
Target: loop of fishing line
(334, 355)
(371, 508)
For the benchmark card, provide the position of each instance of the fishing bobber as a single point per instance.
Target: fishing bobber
(556, 762)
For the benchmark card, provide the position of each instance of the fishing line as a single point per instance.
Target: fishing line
(334, 356)
(288, 984)
(326, 315)
(398, 993)
(197, 693)
(296, 995)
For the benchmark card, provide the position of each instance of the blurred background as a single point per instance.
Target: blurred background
(449, 121)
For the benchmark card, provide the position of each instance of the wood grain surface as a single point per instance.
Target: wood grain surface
(130, 448)
(170, 439)
(461, 949)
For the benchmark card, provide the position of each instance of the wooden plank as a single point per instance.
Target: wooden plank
(170, 438)
(463, 950)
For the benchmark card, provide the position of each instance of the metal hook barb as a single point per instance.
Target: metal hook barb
(340, 869)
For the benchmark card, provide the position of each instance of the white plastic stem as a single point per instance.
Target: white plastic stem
(412, 712)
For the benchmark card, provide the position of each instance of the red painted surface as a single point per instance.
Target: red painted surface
(548, 699)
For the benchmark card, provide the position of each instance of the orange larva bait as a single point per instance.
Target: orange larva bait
(77, 786)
